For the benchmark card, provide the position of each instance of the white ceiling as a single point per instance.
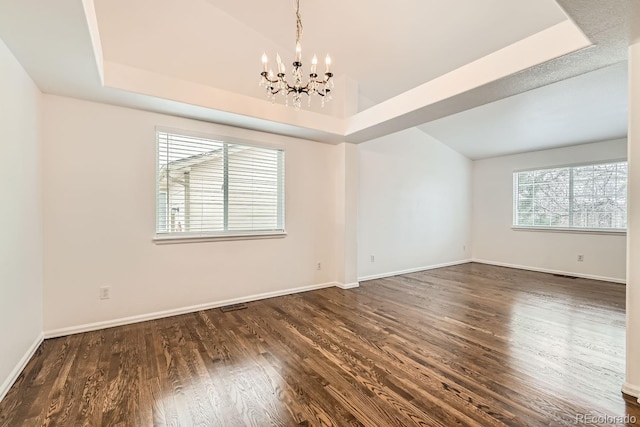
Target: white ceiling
(387, 47)
(588, 108)
(415, 62)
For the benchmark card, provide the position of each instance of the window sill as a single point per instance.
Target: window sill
(186, 238)
(571, 230)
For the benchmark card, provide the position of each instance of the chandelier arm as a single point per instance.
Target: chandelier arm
(302, 89)
(265, 75)
(273, 91)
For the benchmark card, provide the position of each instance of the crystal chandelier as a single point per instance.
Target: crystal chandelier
(278, 84)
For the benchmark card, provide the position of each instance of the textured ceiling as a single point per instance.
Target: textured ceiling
(607, 23)
(588, 108)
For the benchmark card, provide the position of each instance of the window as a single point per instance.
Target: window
(208, 188)
(590, 197)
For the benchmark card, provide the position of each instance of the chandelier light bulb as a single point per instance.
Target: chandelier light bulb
(327, 62)
(280, 64)
(314, 64)
(298, 52)
(265, 62)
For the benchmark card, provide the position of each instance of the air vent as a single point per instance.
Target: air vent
(233, 307)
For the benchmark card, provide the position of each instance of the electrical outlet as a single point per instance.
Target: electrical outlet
(373, 258)
(580, 258)
(105, 292)
(319, 266)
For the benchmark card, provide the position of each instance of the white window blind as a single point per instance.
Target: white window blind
(582, 197)
(208, 187)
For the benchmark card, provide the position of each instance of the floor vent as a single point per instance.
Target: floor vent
(233, 307)
(565, 276)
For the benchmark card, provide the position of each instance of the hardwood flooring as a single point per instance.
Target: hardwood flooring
(470, 345)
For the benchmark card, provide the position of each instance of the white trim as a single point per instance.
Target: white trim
(13, 376)
(612, 231)
(219, 138)
(631, 390)
(413, 270)
(178, 311)
(94, 34)
(174, 238)
(550, 271)
(347, 285)
(573, 165)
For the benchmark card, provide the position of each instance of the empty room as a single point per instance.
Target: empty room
(306, 213)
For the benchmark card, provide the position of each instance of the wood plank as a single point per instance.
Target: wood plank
(469, 345)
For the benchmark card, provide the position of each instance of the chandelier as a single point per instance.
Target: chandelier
(278, 83)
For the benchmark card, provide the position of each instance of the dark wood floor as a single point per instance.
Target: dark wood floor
(466, 345)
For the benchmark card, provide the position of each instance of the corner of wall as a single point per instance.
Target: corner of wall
(21, 284)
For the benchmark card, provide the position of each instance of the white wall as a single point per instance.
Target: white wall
(20, 218)
(346, 244)
(494, 240)
(414, 204)
(99, 202)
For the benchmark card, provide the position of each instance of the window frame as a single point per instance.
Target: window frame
(579, 230)
(193, 237)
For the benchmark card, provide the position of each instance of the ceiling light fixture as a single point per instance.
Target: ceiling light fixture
(278, 84)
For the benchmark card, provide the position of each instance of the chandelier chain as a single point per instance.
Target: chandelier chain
(299, 29)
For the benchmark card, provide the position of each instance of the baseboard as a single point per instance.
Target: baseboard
(546, 270)
(347, 285)
(631, 390)
(183, 310)
(13, 376)
(413, 270)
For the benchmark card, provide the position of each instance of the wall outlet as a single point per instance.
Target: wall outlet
(373, 258)
(580, 258)
(105, 292)
(319, 266)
